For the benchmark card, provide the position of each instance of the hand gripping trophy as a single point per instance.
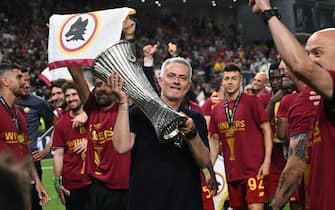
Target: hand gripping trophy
(121, 59)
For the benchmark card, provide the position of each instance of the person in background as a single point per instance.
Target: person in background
(259, 83)
(70, 178)
(35, 108)
(248, 89)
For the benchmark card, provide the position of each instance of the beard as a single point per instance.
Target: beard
(76, 109)
(105, 99)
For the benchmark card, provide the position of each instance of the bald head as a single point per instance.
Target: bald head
(321, 48)
(259, 82)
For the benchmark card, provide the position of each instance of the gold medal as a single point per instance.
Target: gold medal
(20, 138)
(231, 131)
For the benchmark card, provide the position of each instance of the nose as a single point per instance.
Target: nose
(176, 80)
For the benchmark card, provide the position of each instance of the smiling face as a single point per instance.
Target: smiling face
(57, 97)
(321, 48)
(175, 81)
(259, 81)
(72, 99)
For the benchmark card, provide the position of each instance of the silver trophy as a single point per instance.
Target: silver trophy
(120, 58)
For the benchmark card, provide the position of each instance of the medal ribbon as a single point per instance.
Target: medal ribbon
(15, 118)
(231, 114)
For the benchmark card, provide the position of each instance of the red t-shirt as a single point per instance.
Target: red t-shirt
(195, 106)
(9, 137)
(277, 155)
(302, 118)
(243, 150)
(265, 98)
(301, 114)
(322, 179)
(209, 105)
(284, 105)
(74, 165)
(103, 162)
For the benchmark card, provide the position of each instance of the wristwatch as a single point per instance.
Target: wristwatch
(267, 14)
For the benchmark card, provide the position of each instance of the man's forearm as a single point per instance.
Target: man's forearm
(293, 172)
(122, 140)
(200, 151)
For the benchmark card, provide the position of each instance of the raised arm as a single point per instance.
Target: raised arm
(123, 141)
(290, 50)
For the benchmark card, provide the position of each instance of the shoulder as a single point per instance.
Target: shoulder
(194, 114)
(218, 105)
(135, 111)
(65, 117)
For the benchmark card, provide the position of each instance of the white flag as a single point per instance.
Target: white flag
(76, 39)
(48, 76)
(220, 174)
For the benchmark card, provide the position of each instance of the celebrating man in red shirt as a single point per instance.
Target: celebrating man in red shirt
(242, 124)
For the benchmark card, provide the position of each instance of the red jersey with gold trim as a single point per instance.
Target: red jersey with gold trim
(284, 105)
(209, 105)
(10, 139)
(74, 165)
(322, 179)
(242, 146)
(277, 156)
(103, 162)
(302, 119)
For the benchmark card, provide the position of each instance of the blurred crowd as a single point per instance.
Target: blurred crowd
(207, 45)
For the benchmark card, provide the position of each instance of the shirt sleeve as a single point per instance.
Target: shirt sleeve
(58, 136)
(207, 107)
(258, 110)
(283, 108)
(301, 115)
(90, 104)
(201, 126)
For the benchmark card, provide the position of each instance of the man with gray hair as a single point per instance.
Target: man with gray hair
(167, 175)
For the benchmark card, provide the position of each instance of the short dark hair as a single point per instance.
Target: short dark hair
(69, 85)
(302, 37)
(57, 83)
(231, 67)
(274, 67)
(7, 66)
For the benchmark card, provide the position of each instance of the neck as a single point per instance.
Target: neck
(76, 112)
(9, 98)
(172, 104)
(232, 96)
